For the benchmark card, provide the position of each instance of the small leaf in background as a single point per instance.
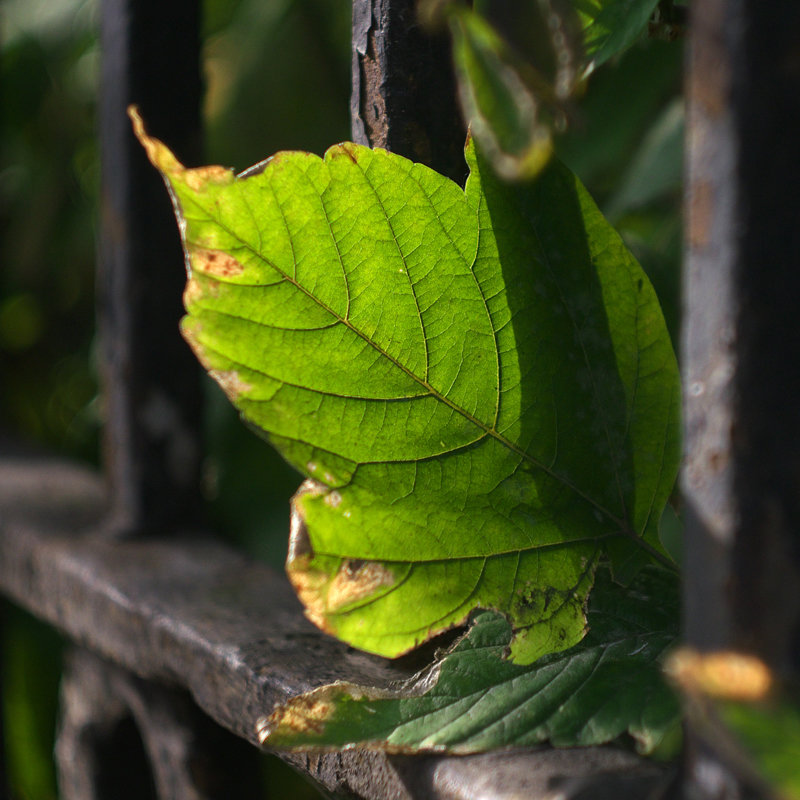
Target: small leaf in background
(477, 383)
(739, 708)
(504, 114)
(610, 685)
(518, 63)
(611, 26)
(655, 170)
(770, 736)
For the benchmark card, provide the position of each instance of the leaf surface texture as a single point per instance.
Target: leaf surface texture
(610, 685)
(477, 383)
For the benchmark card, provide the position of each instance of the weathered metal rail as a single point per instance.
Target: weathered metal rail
(166, 625)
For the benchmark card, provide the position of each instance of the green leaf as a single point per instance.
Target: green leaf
(478, 384)
(519, 63)
(768, 734)
(611, 26)
(656, 168)
(605, 687)
(511, 89)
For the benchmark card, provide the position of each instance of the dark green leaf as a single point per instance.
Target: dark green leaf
(611, 26)
(516, 65)
(605, 687)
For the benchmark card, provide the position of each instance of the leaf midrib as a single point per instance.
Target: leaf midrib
(488, 430)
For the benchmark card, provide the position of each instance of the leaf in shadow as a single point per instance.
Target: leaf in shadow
(470, 700)
(519, 63)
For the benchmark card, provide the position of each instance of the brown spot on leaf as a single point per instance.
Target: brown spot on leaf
(357, 580)
(197, 179)
(159, 154)
(215, 262)
(304, 714)
(231, 383)
(308, 583)
(193, 292)
(346, 149)
(321, 593)
(333, 499)
(310, 712)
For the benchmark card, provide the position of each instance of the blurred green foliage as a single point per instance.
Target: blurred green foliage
(767, 739)
(29, 674)
(48, 190)
(278, 77)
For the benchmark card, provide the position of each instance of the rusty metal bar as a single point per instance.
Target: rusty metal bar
(741, 343)
(742, 338)
(404, 91)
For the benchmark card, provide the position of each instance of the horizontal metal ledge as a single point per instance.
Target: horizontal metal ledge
(193, 613)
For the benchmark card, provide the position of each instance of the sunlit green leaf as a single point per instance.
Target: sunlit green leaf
(478, 384)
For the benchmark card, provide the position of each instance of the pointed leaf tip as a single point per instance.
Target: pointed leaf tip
(164, 160)
(161, 157)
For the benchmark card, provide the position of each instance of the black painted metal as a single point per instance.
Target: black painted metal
(741, 344)
(124, 738)
(709, 354)
(742, 335)
(766, 439)
(151, 381)
(5, 788)
(404, 91)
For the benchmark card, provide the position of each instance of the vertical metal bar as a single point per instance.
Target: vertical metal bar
(741, 344)
(404, 93)
(709, 355)
(742, 334)
(123, 737)
(766, 559)
(151, 382)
